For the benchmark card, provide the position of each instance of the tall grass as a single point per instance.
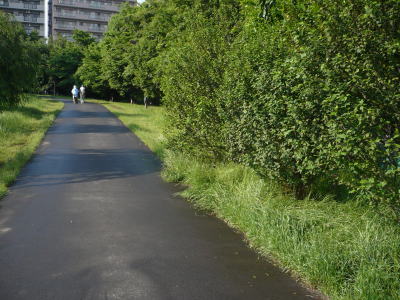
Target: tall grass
(345, 250)
(348, 251)
(21, 130)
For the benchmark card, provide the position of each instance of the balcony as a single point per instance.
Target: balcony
(83, 28)
(31, 5)
(29, 30)
(89, 5)
(23, 6)
(33, 20)
(78, 16)
(30, 19)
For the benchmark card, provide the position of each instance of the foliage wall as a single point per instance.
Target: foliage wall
(307, 94)
(304, 92)
(312, 94)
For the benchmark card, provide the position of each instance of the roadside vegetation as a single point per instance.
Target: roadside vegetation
(346, 250)
(21, 130)
(303, 92)
(24, 119)
(281, 117)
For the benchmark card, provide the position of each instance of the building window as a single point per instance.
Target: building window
(30, 5)
(31, 28)
(30, 17)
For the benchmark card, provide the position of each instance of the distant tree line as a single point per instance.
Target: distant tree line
(30, 65)
(63, 59)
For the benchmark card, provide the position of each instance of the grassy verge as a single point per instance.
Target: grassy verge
(21, 130)
(49, 97)
(346, 251)
(147, 123)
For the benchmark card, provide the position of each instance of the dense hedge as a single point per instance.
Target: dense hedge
(310, 95)
(193, 68)
(305, 92)
(319, 97)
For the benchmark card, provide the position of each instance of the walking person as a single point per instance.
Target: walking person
(75, 93)
(146, 101)
(82, 93)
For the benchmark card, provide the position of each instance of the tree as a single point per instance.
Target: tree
(18, 62)
(193, 68)
(65, 58)
(155, 20)
(90, 72)
(114, 48)
(82, 38)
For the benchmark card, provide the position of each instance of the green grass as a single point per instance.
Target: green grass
(21, 130)
(344, 250)
(347, 251)
(147, 123)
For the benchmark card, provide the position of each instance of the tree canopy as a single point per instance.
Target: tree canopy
(305, 92)
(19, 61)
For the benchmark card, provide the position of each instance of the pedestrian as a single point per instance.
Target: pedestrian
(75, 93)
(146, 101)
(82, 93)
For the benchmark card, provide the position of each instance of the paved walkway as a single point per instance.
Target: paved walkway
(90, 218)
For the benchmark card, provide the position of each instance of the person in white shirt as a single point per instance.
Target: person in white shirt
(82, 93)
(75, 93)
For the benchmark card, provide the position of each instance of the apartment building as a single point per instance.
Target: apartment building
(88, 15)
(30, 13)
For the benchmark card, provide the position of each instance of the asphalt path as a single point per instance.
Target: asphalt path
(90, 218)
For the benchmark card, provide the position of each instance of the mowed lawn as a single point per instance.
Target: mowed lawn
(21, 130)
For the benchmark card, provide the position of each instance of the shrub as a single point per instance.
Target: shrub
(193, 69)
(18, 62)
(312, 93)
